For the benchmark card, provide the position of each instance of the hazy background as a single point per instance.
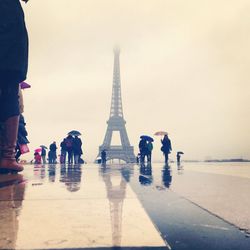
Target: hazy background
(184, 69)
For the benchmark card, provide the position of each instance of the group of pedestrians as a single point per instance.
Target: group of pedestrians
(71, 146)
(146, 148)
(71, 150)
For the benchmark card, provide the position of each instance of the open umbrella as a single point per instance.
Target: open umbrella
(147, 138)
(42, 146)
(24, 85)
(74, 133)
(180, 153)
(161, 133)
(38, 150)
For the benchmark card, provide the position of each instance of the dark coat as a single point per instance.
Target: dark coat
(166, 146)
(77, 146)
(22, 132)
(13, 42)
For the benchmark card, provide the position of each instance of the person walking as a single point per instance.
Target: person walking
(166, 147)
(13, 70)
(77, 149)
(52, 155)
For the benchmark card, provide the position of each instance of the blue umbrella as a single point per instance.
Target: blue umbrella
(74, 132)
(147, 138)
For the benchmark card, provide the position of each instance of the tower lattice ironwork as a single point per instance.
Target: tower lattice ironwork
(116, 121)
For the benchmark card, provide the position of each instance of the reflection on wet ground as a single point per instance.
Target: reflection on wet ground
(125, 206)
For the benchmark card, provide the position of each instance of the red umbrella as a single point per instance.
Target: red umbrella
(24, 85)
(38, 150)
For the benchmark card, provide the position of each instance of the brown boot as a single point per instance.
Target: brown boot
(8, 162)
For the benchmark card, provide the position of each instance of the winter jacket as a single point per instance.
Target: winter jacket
(13, 42)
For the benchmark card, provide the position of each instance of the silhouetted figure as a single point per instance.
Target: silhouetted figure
(143, 149)
(69, 147)
(13, 70)
(166, 147)
(77, 149)
(178, 156)
(43, 154)
(104, 156)
(63, 152)
(52, 153)
(149, 151)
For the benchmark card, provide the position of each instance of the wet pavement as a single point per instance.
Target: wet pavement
(190, 206)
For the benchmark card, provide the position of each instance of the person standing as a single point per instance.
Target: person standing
(77, 149)
(63, 151)
(13, 70)
(149, 151)
(166, 147)
(104, 156)
(43, 155)
(69, 147)
(143, 149)
(53, 149)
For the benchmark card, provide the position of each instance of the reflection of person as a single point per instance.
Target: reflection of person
(146, 177)
(13, 70)
(178, 156)
(166, 147)
(166, 176)
(72, 178)
(12, 188)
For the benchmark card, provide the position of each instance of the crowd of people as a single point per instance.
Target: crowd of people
(70, 152)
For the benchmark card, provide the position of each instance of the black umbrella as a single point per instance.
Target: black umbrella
(74, 133)
(147, 138)
(42, 146)
(180, 153)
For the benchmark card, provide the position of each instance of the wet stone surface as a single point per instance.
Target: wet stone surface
(191, 206)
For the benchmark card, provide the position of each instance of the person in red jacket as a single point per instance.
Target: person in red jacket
(13, 70)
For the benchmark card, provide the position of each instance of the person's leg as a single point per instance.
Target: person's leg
(9, 115)
(166, 157)
(76, 159)
(149, 156)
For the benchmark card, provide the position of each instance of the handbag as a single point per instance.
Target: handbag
(24, 148)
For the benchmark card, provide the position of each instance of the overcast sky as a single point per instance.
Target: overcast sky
(184, 69)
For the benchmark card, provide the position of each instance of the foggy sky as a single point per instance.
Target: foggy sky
(184, 69)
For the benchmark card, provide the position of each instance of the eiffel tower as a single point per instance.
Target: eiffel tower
(116, 121)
